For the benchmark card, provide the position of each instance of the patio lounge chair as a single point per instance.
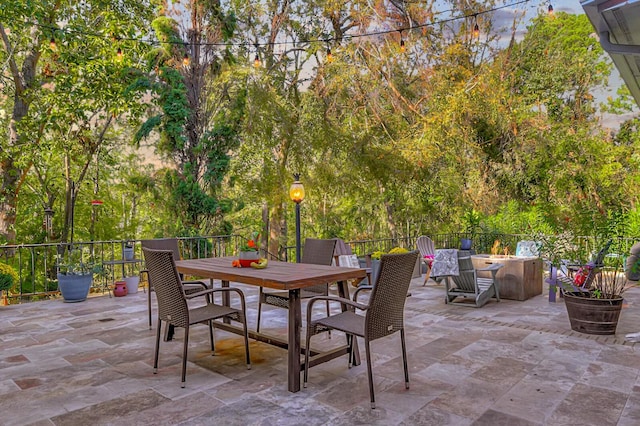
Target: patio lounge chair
(173, 307)
(572, 282)
(427, 252)
(316, 252)
(468, 285)
(170, 244)
(383, 314)
(597, 261)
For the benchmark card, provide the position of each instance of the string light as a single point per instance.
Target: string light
(550, 9)
(153, 42)
(476, 29)
(52, 44)
(329, 54)
(402, 46)
(185, 60)
(119, 54)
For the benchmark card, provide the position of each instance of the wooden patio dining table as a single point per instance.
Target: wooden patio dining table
(280, 276)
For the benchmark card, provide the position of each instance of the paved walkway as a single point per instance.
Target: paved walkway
(508, 363)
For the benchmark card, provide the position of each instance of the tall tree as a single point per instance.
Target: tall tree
(66, 36)
(199, 110)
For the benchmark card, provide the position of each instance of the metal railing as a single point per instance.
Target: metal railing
(37, 264)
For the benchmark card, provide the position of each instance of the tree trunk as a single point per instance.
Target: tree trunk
(276, 227)
(23, 80)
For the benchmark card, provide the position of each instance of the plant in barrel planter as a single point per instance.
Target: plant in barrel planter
(75, 274)
(593, 298)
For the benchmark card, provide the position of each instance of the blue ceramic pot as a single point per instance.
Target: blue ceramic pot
(74, 288)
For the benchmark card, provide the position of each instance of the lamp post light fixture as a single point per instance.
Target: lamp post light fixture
(296, 193)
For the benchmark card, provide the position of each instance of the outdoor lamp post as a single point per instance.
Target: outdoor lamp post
(296, 193)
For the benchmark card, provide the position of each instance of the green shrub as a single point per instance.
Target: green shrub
(395, 250)
(398, 250)
(8, 277)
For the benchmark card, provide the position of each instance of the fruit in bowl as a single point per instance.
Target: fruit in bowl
(260, 264)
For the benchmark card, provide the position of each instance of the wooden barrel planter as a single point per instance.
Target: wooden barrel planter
(592, 316)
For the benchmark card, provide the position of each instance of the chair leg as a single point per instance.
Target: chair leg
(213, 347)
(328, 315)
(370, 373)
(404, 359)
(149, 305)
(155, 356)
(246, 340)
(350, 349)
(306, 357)
(184, 355)
(259, 310)
(427, 276)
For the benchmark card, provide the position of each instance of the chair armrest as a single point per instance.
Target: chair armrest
(217, 290)
(196, 283)
(347, 302)
(362, 287)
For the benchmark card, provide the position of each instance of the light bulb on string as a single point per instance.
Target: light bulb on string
(185, 60)
(256, 60)
(402, 46)
(119, 54)
(476, 30)
(329, 55)
(550, 9)
(52, 44)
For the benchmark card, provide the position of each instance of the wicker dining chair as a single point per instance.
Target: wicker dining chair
(316, 252)
(192, 286)
(174, 309)
(383, 314)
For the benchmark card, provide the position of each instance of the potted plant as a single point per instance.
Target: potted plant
(128, 250)
(249, 251)
(596, 310)
(75, 274)
(8, 278)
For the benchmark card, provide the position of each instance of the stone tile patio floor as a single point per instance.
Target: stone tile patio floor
(508, 363)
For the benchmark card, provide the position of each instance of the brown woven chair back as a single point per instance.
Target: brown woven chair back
(318, 252)
(163, 244)
(386, 313)
(172, 306)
